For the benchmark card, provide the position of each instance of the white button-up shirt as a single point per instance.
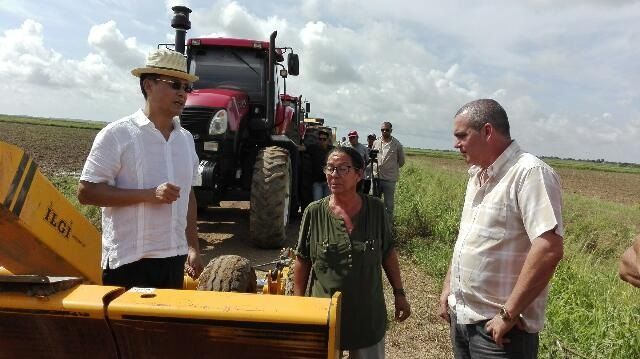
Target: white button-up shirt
(519, 201)
(132, 153)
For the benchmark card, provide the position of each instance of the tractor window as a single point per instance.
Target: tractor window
(231, 68)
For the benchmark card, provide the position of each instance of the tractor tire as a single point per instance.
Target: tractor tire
(289, 281)
(270, 198)
(228, 273)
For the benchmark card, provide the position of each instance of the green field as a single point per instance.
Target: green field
(591, 313)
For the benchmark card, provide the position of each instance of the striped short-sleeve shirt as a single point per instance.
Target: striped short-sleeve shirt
(519, 200)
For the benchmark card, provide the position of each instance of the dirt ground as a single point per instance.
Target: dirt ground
(225, 230)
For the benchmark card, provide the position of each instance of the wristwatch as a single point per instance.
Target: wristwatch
(504, 314)
(399, 291)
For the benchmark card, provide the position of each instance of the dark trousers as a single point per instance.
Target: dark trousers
(167, 273)
(471, 341)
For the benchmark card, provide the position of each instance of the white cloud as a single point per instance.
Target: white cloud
(54, 86)
(110, 43)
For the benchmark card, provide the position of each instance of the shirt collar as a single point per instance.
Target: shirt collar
(141, 120)
(500, 163)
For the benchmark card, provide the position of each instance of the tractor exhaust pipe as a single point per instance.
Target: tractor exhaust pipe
(181, 23)
(270, 80)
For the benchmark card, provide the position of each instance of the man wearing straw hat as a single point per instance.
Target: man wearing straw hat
(140, 171)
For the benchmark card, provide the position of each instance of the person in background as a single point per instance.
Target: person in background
(509, 243)
(346, 239)
(362, 150)
(629, 270)
(368, 171)
(318, 154)
(390, 159)
(140, 171)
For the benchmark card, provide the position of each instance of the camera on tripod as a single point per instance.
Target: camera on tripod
(373, 155)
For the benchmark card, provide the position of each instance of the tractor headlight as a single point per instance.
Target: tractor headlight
(218, 124)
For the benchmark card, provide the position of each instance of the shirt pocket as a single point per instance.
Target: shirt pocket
(491, 221)
(330, 254)
(367, 252)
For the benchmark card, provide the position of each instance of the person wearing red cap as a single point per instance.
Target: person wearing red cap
(362, 150)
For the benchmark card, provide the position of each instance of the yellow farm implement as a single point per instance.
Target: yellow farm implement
(53, 306)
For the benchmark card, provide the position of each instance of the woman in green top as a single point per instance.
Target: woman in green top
(345, 240)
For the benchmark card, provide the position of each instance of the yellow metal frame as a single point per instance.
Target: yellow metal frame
(83, 300)
(333, 345)
(40, 230)
(221, 306)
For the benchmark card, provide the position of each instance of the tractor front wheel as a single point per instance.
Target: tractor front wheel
(270, 198)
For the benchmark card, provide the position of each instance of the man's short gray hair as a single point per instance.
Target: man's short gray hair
(483, 111)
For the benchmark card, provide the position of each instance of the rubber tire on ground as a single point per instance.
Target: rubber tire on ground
(228, 273)
(289, 281)
(270, 198)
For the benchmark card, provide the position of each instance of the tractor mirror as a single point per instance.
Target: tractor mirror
(293, 64)
(283, 73)
(307, 107)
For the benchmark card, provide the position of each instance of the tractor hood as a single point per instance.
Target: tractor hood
(234, 101)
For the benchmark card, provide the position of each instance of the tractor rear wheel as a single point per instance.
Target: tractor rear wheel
(228, 273)
(270, 198)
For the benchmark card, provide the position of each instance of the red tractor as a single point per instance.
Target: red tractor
(239, 123)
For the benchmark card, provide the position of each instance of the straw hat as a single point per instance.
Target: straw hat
(166, 62)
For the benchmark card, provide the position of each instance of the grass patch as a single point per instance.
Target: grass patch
(68, 186)
(553, 162)
(53, 122)
(590, 311)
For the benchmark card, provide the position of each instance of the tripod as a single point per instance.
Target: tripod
(374, 184)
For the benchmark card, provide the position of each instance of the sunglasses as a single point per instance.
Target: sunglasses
(322, 138)
(177, 85)
(385, 130)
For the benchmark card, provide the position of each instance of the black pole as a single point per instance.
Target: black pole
(181, 23)
(270, 81)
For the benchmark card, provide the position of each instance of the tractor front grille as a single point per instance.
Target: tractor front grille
(196, 119)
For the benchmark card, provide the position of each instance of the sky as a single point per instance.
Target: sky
(566, 71)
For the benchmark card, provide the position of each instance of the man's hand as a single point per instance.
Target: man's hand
(166, 193)
(443, 309)
(498, 328)
(403, 309)
(193, 266)
(629, 268)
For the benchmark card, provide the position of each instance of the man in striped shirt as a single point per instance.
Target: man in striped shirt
(509, 243)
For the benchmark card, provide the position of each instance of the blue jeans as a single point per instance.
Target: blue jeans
(388, 191)
(471, 341)
(320, 190)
